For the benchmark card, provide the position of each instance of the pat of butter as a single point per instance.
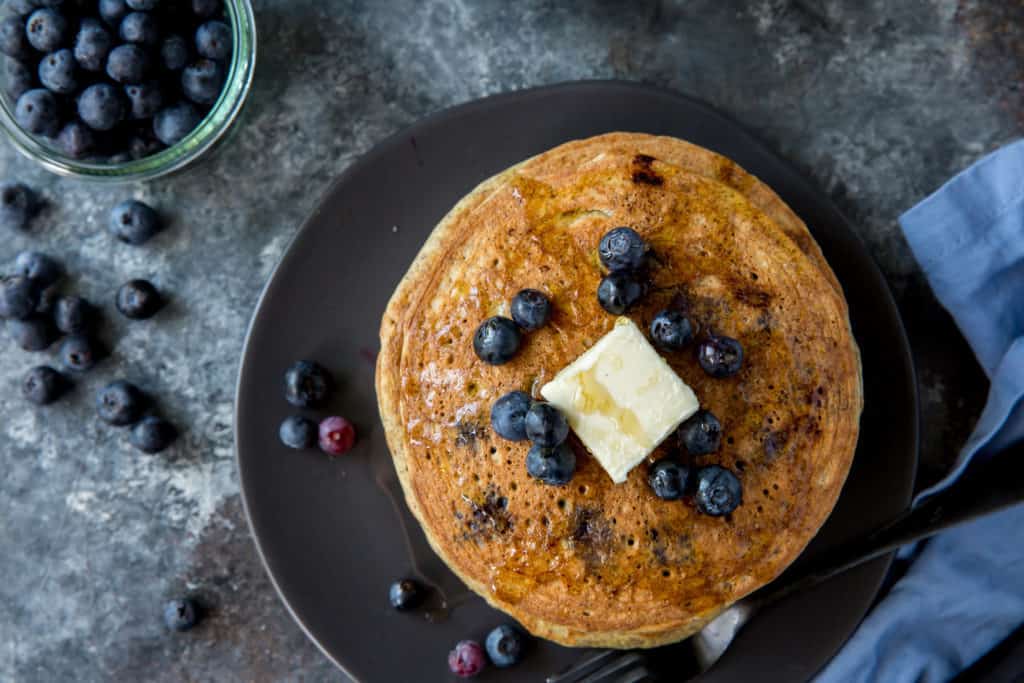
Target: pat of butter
(621, 398)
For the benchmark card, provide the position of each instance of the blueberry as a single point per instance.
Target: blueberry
(467, 659)
(508, 415)
(153, 434)
(47, 29)
(174, 53)
(92, 45)
(73, 315)
(496, 341)
(101, 106)
(181, 615)
(720, 356)
(18, 205)
(545, 425)
(206, 8)
(43, 385)
(145, 100)
(307, 384)
(668, 479)
(405, 594)
(41, 269)
(213, 40)
(120, 403)
(554, 466)
(140, 28)
(671, 331)
(133, 222)
(79, 353)
(76, 140)
(128, 64)
(172, 124)
(57, 72)
(337, 435)
(143, 5)
(531, 309)
(34, 333)
(202, 81)
(298, 432)
(622, 249)
(719, 491)
(19, 297)
(37, 112)
(618, 292)
(138, 300)
(701, 433)
(113, 11)
(18, 78)
(47, 300)
(504, 646)
(13, 41)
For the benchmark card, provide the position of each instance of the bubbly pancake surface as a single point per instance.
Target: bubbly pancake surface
(594, 563)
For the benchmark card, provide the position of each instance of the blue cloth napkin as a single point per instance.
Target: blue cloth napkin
(964, 592)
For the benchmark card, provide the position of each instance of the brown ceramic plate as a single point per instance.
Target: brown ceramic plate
(334, 533)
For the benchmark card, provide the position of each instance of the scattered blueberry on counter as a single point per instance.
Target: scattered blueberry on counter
(298, 432)
(181, 615)
(669, 479)
(505, 646)
(508, 415)
(671, 331)
(622, 250)
(620, 291)
(405, 594)
(531, 309)
(701, 433)
(153, 434)
(41, 269)
(337, 435)
(34, 333)
(554, 466)
(73, 315)
(80, 353)
(18, 205)
(497, 340)
(134, 222)
(138, 300)
(720, 356)
(43, 385)
(19, 297)
(719, 491)
(307, 384)
(467, 659)
(120, 404)
(546, 426)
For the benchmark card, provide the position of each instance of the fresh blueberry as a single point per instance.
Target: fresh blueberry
(337, 435)
(172, 124)
(174, 53)
(701, 433)
(671, 331)
(467, 659)
(48, 300)
(138, 300)
(101, 106)
(153, 434)
(57, 72)
(554, 466)
(206, 8)
(143, 5)
(41, 269)
(140, 147)
(622, 249)
(505, 646)
(720, 356)
(18, 205)
(202, 81)
(531, 309)
(497, 340)
(113, 11)
(18, 78)
(719, 491)
(47, 29)
(298, 432)
(92, 45)
(181, 615)
(120, 403)
(307, 384)
(73, 315)
(13, 41)
(618, 292)
(145, 99)
(19, 297)
(34, 333)
(508, 415)
(133, 222)
(38, 113)
(545, 425)
(128, 64)
(79, 353)
(668, 479)
(140, 28)
(405, 594)
(213, 40)
(76, 140)
(43, 385)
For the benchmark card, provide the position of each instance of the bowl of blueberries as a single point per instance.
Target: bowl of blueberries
(123, 90)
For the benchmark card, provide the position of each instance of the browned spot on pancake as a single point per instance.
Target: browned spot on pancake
(468, 433)
(671, 549)
(591, 536)
(642, 171)
(752, 296)
(488, 516)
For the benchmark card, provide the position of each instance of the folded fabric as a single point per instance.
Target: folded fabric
(964, 592)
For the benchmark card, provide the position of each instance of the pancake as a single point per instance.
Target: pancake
(594, 563)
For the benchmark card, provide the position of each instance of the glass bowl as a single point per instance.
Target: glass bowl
(210, 131)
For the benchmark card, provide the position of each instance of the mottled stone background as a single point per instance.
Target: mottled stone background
(878, 101)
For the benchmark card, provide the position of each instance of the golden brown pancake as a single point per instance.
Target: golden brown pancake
(594, 563)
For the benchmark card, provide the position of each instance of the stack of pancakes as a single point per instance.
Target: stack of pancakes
(594, 563)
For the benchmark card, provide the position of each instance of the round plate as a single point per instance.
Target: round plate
(334, 533)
